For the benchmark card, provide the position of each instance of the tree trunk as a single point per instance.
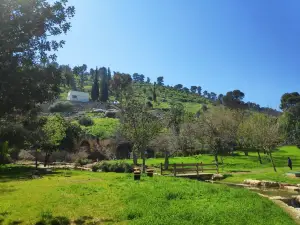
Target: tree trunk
(134, 159)
(36, 160)
(273, 164)
(144, 162)
(259, 158)
(217, 162)
(166, 160)
(46, 159)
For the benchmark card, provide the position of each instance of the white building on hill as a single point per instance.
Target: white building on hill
(78, 96)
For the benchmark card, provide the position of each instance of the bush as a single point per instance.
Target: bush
(61, 107)
(82, 162)
(150, 98)
(117, 167)
(86, 121)
(149, 104)
(25, 155)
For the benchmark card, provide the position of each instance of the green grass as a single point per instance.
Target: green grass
(110, 198)
(102, 127)
(241, 167)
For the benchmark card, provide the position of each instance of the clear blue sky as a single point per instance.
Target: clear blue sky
(220, 45)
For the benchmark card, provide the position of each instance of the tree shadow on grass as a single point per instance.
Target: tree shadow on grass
(11, 173)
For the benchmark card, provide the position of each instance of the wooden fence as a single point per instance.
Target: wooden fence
(182, 168)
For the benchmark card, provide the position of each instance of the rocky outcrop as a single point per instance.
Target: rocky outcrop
(217, 177)
(270, 184)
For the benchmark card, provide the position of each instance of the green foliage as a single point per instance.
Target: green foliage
(86, 121)
(95, 89)
(27, 47)
(103, 127)
(118, 167)
(82, 162)
(4, 154)
(61, 107)
(54, 130)
(103, 85)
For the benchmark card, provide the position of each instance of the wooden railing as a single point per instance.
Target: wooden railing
(179, 168)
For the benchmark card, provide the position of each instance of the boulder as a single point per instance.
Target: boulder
(217, 177)
(270, 184)
(252, 182)
(292, 188)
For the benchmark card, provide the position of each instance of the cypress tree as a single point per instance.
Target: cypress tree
(108, 74)
(95, 87)
(103, 85)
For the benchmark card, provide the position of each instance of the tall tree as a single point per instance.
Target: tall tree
(139, 126)
(185, 89)
(178, 87)
(160, 81)
(120, 84)
(81, 72)
(148, 80)
(108, 74)
(193, 89)
(103, 85)
(95, 88)
(199, 89)
(24, 30)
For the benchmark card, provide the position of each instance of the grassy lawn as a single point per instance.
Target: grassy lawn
(241, 167)
(111, 198)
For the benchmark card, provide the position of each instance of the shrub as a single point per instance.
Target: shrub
(117, 167)
(25, 155)
(82, 162)
(86, 121)
(61, 107)
(150, 98)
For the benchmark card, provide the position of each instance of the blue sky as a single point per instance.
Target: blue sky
(220, 45)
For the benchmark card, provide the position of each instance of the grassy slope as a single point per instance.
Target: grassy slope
(247, 167)
(110, 198)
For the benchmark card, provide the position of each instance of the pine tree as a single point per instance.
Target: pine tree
(95, 87)
(103, 85)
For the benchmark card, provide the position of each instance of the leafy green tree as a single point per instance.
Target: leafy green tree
(160, 81)
(139, 126)
(54, 131)
(148, 80)
(175, 117)
(186, 90)
(199, 89)
(138, 78)
(193, 89)
(95, 87)
(234, 100)
(25, 51)
(120, 84)
(103, 85)
(289, 100)
(81, 72)
(178, 87)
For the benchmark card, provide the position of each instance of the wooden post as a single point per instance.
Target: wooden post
(175, 169)
(161, 169)
(197, 170)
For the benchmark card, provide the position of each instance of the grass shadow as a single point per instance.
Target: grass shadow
(12, 172)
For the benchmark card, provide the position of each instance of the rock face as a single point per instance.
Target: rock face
(292, 188)
(217, 177)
